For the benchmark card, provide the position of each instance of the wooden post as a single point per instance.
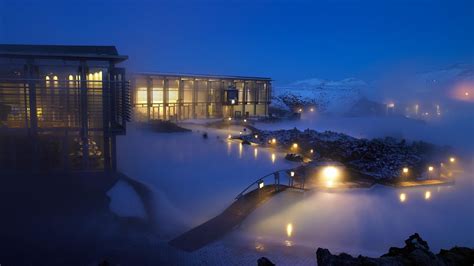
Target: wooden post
(32, 75)
(165, 98)
(208, 95)
(84, 115)
(149, 97)
(244, 96)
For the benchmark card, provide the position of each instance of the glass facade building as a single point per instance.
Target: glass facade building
(61, 107)
(160, 96)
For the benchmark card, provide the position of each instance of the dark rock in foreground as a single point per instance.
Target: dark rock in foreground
(263, 261)
(415, 252)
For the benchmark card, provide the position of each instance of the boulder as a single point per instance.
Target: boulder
(415, 252)
(263, 261)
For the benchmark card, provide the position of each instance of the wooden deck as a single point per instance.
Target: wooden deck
(231, 217)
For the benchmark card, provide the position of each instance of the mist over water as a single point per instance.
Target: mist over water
(195, 179)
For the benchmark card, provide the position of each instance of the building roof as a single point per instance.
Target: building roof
(202, 76)
(62, 51)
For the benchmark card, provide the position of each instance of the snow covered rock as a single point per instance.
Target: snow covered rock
(381, 159)
(325, 95)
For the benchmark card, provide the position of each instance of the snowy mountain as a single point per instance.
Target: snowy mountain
(326, 95)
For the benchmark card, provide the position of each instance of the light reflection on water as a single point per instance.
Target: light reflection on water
(367, 221)
(200, 177)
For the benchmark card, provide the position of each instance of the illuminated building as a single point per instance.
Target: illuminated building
(61, 107)
(159, 96)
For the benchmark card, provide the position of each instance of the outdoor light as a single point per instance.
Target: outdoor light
(230, 118)
(330, 173)
(391, 105)
(289, 229)
(260, 184)
(274, 140)
(245, 120)
(292, 173)
(405, 170)
(430, 168)
(311, 151)
(240, 132)
(256, 136)
(466, 93)
(312, 109)
(452, 159)
(300, 110)
(229, 136)
(295, 145)
(427, 195)
(403, 197)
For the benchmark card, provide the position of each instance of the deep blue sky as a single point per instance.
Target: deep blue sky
(286, 40)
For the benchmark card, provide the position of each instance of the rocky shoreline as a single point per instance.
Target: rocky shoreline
(383, 159)
(415, 252)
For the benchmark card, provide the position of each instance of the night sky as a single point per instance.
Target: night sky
(285, 40)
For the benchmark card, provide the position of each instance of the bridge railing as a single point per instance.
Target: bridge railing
(278, 179)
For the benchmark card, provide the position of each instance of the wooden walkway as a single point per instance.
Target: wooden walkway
(231, 217)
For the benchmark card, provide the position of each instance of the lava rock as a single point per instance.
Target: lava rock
(246, 142)
(263, 261)
(380, 158)
(294, 157)
(415, 252)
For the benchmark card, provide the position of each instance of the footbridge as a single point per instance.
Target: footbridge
(256, 194)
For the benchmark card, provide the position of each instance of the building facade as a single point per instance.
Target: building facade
(161, 96)
(61, 107)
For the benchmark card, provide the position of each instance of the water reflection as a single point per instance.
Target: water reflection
(255, 153)
(229, 147)
(403, 197)
(240, 150)
(273, 158)
(289, 229)
(427, 195)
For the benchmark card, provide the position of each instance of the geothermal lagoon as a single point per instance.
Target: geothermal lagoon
(194, 179)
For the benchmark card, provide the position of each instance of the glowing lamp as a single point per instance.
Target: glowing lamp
(300, 110)
(311, 151)
(240, 132)
(229, 136)
(256, 136)
(230, 118)
(312, 109)
(330, 173)
(452, 159)
(274, 140)
(245, 120)
(405, 170)
(260, 184)
(295, 145)
(431, 168)
(466, 93)
(292, 173)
